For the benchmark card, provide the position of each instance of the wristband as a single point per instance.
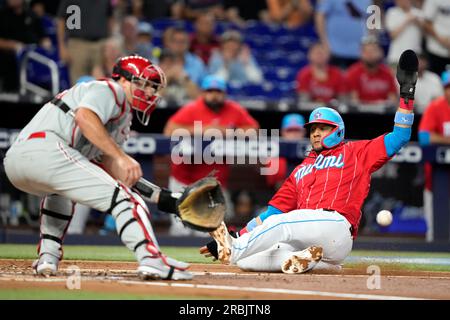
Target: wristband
(404, 118)
(407, 104)
(167, 202)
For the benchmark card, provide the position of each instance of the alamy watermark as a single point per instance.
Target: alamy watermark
(73, 21)
(229, 146)
(374, 280)
(373, 22)
(73, 281)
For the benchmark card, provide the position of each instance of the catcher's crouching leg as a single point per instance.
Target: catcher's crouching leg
(56, 213)
(135, 230)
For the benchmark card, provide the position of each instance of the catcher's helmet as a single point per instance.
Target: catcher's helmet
(146, 80)
(331, 117)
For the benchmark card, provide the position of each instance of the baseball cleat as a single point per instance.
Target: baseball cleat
(156, 269)
(46, 265)
(224, 243)
(302, 261)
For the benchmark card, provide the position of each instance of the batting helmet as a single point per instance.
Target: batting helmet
(146, 80)
(331, 117)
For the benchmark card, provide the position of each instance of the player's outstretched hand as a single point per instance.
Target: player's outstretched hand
(210, 250)
(407, 68)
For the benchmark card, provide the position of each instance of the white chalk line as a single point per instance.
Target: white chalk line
(273, 290)
(226, 288)
(101, 273)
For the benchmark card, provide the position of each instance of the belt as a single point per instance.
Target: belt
(351, 227)
(61, 104)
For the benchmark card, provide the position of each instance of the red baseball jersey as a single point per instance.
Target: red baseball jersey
(436, 119)
(320, 90)
(371, 87)
(336, 179)
(232, 116)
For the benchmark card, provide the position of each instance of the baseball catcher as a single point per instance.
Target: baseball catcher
(55, 157)
(313, 218)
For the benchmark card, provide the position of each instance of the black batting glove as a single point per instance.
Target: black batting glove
(407, 68)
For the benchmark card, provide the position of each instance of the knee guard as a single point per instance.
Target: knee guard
(133, 223)
(55, 216)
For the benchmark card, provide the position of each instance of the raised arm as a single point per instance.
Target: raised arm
(404, 117)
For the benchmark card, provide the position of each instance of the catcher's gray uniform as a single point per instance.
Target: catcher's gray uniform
(51, 158)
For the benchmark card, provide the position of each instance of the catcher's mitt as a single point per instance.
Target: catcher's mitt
(202, 205)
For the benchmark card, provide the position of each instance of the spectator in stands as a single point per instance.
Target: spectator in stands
(83, 49)
(204, 40)
(404, 23)
(144, 42)
(220, 9)
(111, 51)
(151, 9)
(136, 38)
(319, 82)
(180, 88)
(247, 10)
(437, 26)
(19, 27)
(192, 9)
(428, 87)
(291, 13)
(341, 24)
(234, 61)
(434, 128)
(244, 210)
(291, 130)
(370, 81)
(213, 111)
(47, 21)
(177, 41)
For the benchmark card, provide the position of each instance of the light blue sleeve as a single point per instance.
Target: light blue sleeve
(395, 140)
(424, 138)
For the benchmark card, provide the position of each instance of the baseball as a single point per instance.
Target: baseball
(384, 218)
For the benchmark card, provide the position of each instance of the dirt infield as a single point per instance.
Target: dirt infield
(217, 281)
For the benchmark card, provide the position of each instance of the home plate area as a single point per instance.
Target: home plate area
(228, 282)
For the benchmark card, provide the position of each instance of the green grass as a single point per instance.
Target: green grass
(43, 294)
(102, 253)
(366, 253)
(191, 255)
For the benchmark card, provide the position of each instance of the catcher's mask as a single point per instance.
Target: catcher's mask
(146, 79)
(331, 117)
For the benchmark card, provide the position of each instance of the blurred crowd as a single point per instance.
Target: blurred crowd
(342, 59)
(339, 53)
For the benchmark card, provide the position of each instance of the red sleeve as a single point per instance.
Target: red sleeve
(303, 78)
(183, 116)
(428, 121)
(286, 197)
(372, 153)
(245, 119)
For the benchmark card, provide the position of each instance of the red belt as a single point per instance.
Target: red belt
(39, 134)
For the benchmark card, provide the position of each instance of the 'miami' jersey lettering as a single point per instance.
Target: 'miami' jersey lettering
(320, 163)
